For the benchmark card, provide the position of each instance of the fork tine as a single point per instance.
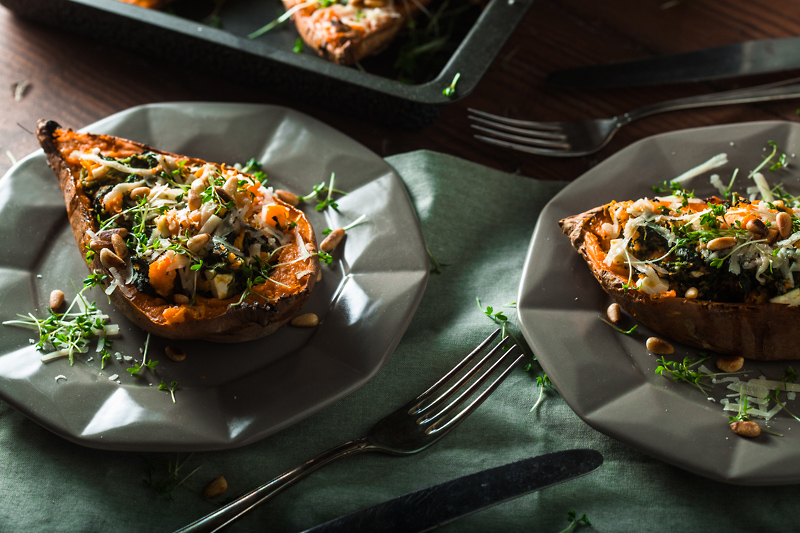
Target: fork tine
(457, 386)
(561, 152)
(444, 380)
(552, 134)
(514, 122)
(529, 141)
(441, 422)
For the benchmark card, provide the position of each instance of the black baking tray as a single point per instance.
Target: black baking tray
(373, 91)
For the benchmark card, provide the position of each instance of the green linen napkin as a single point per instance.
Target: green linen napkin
(477, 223)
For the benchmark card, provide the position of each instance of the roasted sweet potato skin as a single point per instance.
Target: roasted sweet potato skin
(207, 319)
(767, 332)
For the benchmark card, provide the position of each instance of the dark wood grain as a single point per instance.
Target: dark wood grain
(76, 80)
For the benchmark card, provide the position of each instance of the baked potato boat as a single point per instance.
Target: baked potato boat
(190, 249)
(347, 32)
(713, 274)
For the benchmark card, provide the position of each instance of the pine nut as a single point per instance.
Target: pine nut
(333, 239)
(198, 186)
(659, 346)
(180, 299)
(139, 192)
(772, 235)
(691, 293)
(107, 233)
(288, 197)
(231, 184)
(746, 428)
(103, 239)
(613, 313)
(730, 363)
(175, 353)
(217, 486)
(223, 195)
(721, 243)
(308, 320)
(784, 222)
(198, 242)
(56, 299)
(756, 227)
(120, 246)
(111, 260)
(194, 201)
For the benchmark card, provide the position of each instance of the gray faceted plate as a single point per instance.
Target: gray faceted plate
(609, 378)
(228, 395)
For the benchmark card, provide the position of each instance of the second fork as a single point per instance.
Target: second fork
(584, 137)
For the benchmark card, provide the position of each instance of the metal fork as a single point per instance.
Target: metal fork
(412, 428)
(578, 138)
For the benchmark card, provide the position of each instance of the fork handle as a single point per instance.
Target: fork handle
(738, 96)
(231, 512)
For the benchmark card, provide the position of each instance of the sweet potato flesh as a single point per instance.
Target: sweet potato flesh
(711, 250)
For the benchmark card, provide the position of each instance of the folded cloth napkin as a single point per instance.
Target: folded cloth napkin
(477, 224)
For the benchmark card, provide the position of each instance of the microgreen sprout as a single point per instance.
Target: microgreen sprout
(145, 363)
(499, 318)
(68, 333)
(298, 46)
(683, 371)
(774, 398)
(324, 257)
(94, 279)
(281, 19)
(743, 413)
(744, 408)
(544, 383)
(253, 168)
(328, 201)
(780, 163)
(353, 224)
(575, 520)
(320, 189)
(623, 331)
(169, 388)
(167, 485)
(719, 261)
(435, 264)
(450, 90)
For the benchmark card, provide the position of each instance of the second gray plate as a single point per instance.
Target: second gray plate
(608, 378)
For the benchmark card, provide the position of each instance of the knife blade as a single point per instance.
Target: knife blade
(728, 61)
(434, 506)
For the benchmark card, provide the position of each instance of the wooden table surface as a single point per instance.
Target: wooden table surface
(63, 71)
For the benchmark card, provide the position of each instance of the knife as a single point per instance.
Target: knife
(728, 61)
(434, 506)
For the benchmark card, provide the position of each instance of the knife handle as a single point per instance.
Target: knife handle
(784, 90)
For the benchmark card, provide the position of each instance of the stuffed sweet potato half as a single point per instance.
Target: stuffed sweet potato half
(190, 249)
(713, 274)
(347, 32)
